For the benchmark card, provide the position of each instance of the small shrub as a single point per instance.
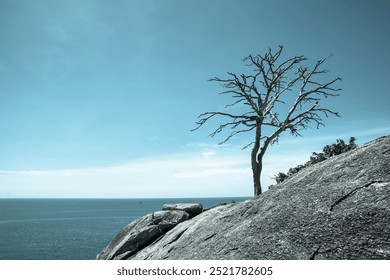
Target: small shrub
(316, 158)
(339, 147)
(280, 177)
(328, 151)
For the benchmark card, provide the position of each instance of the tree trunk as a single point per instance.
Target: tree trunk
(256, 164)
(256, 168)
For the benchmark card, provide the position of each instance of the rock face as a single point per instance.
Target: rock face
(146, 230)
(335, 209)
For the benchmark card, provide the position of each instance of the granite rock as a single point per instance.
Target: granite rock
(190, 208)
(335, 209)
(141, 233)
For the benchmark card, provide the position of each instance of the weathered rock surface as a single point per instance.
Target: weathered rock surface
(336, 209)
(191, 208)
(141, 233)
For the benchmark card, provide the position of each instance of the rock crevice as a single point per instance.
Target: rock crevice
(351, 193)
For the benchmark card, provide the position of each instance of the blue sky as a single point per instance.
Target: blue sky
(98, 98)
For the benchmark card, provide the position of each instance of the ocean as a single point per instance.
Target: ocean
(72, 229)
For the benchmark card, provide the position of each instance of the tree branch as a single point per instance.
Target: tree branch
(265, 88)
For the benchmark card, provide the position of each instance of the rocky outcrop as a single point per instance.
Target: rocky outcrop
(191, 208)
(335, 209)
(145, 230)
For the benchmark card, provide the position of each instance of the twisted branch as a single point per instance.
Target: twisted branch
(265, 88)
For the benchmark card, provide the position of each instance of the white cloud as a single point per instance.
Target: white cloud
(179, 175)
(192, 174)
(202, 171)
(208, 154)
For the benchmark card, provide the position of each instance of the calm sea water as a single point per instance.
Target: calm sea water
(75, 229)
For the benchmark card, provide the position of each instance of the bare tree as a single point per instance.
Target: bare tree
(278, 96)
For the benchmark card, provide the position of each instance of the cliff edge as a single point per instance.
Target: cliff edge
(335, 209)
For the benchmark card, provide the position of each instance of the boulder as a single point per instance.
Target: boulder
(190, 208)
(142, 232)
(168, 219)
